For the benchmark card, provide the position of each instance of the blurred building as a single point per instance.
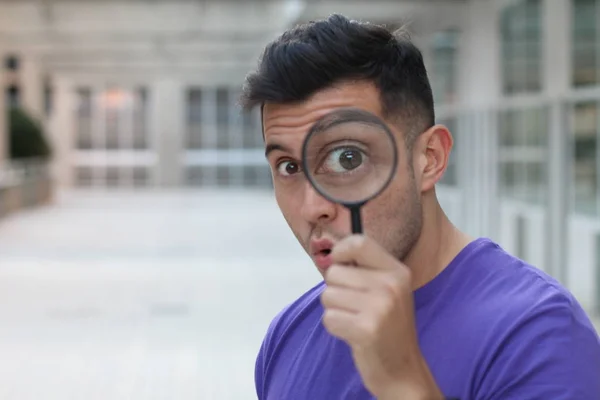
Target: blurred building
(143, 94)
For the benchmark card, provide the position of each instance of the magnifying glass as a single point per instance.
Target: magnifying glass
(349, 156)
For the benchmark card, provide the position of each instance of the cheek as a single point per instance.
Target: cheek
(391, 203)
(378, 209)
(289, 203)
(283, 199)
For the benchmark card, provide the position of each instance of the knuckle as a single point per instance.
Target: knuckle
(393, 285)
(404, 275)
(359, 242)
(353, 243)
(328, 320)
(397, 282)
(334, 274)
(354, 246)
(326, 297)
(386, 303)
(369, 328)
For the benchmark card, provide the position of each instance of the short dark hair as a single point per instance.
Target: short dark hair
(317, 55)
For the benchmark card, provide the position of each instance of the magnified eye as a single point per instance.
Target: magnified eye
(287, 168)
(344, 159)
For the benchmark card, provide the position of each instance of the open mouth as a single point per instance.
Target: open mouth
(321, 251)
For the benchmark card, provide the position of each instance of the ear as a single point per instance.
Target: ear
(431, 153)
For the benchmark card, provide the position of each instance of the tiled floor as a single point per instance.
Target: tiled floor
(142, 296)
(163, 296)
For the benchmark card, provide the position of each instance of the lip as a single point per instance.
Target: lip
(323, 261)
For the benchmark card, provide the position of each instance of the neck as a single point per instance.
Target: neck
(439, 243)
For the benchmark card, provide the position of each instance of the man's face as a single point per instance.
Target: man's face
(393, 219)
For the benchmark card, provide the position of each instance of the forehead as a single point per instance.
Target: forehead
(292, 121)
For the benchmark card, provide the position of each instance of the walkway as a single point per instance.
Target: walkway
(142, 296)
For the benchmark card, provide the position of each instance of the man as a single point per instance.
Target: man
(414, 308)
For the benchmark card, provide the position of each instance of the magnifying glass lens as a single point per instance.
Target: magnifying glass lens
(349, 156)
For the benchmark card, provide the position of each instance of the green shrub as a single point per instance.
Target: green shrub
(26, 137)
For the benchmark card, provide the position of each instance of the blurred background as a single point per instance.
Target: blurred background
(141, 253)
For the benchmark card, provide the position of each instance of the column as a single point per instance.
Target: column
(479, 85)
(168, 117)
(125, 139)
(479, 52)
(99, 140)
(557, 77)
(32, 87)
(236, 141)
(209, 135)
(62, 132)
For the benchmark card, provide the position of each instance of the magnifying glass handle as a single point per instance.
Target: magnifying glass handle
(356, 221)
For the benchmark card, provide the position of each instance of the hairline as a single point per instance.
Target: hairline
(409, 134)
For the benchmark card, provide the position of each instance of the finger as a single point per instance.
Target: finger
(351, 277)
(349, 300)
(341, 324)
(362, 251)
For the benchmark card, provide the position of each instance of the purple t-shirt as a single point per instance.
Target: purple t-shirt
(490, 327)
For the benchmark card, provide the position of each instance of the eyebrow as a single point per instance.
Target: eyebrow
(275, 146)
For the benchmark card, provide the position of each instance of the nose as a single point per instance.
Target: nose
(315, 208)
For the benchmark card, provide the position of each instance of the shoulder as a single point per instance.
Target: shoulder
(515, 289)
(511, 293)
(495, 280)
(282, 325)
(540, 341)
(285, 322)
(294, 312)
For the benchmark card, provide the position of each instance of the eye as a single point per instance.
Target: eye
(287, 168)
(344, 159)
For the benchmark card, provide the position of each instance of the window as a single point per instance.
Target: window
(523, 154)
(597, 283)
(223, 118)
(84, 177)
(251, 130)
(521, 47)
(194, 118)
(585, 126)
(140, 176)
(125, 118)
(522, 234)
(445, 49)
(48, 98)
(13, 96)
(11, 63)
(451, 176)
(118, 106)
(140, 119)
(84, 119)
(112, 177)
(251, 176)
(112, 128)
(224, 175)
(586, 42)
(194, 176)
